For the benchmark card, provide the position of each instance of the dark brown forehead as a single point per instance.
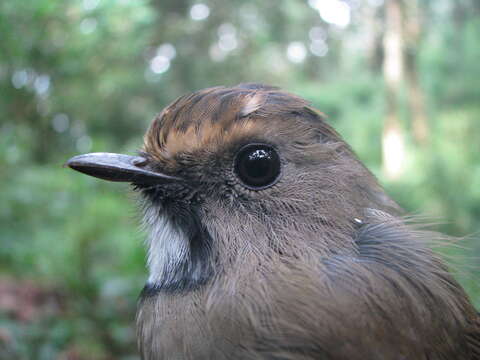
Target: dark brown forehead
(218, 114)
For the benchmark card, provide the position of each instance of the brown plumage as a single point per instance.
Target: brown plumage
(270, 240)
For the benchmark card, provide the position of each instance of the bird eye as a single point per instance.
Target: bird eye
(257, 166)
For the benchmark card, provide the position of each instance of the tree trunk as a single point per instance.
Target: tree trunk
(393, 139)
(416, 98)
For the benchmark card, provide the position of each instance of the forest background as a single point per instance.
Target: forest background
(399, 79)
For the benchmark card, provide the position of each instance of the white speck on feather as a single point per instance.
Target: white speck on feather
(252, 104)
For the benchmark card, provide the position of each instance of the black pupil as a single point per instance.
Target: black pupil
(257, 166)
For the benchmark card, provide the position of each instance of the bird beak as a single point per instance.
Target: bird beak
(117, 167)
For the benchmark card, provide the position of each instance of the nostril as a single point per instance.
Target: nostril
(140, 162)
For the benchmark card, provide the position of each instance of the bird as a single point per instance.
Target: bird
(269, 239)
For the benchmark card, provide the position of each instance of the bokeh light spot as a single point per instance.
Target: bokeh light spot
(318, 48)
(334, 12)
(227, 34)
(199, 12)
(159, 64)
(167, 50)
(20, 78)
(89, 5)
(42, 84)
(296, 52)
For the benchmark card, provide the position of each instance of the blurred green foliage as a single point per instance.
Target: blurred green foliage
(81, 76)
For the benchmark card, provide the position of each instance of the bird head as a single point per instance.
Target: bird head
(230, 178)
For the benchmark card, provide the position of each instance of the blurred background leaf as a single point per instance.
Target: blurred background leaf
(398, 79)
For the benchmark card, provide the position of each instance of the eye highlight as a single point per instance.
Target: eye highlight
(257, 166)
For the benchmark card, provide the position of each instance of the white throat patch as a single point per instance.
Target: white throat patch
(167, 245)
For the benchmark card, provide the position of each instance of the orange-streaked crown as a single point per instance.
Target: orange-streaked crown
(206, 118)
